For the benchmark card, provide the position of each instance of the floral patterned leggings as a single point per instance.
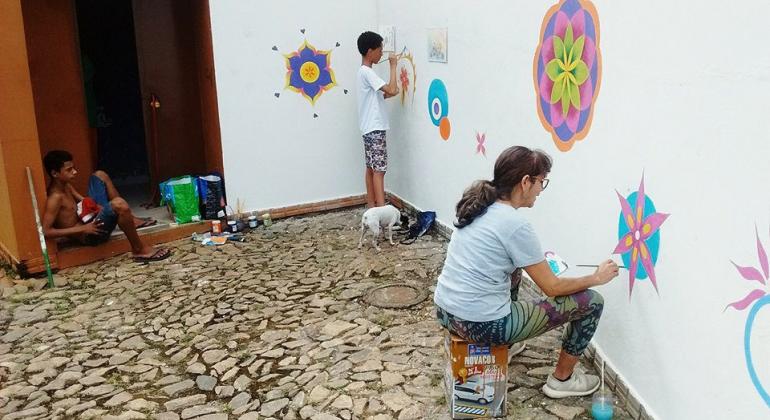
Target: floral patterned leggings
(530, 319)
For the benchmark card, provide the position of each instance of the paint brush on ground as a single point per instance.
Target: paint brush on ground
(40, 235)
(596, 266)
(602, 376)
(602, 404)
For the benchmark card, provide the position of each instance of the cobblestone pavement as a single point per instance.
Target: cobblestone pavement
(270, 328)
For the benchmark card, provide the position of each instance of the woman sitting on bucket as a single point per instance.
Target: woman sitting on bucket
(476, 295)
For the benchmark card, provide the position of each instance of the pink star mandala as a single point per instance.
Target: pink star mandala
(639, 236)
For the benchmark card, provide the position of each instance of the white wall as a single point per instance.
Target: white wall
(683, 98)
(275, 153)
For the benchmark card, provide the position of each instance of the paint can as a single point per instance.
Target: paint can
(216, 227)
(253, 222)
(232, 226)
(266, 220)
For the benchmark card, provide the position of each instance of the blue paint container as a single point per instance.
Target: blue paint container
(601, 412)
(602, 405)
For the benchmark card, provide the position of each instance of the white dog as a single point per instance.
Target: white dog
(376, 218)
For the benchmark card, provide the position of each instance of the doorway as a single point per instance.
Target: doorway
(149, 84)
(112, 91)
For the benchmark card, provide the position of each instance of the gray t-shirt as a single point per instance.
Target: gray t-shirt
(475, 283)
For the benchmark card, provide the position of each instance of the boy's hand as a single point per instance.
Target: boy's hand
(393, 59)
(94, 228)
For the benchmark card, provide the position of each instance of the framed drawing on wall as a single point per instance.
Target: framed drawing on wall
(388, 33)
(438, 45)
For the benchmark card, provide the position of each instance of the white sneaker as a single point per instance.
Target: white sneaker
(578, 385)
(515, 349)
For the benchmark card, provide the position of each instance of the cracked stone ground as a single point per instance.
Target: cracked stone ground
(270, 328)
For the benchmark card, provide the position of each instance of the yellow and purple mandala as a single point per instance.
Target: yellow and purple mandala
(309, 72)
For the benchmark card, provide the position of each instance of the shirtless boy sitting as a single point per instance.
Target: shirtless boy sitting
(61, 214)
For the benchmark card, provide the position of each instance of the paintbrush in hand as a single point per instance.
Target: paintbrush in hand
(596, 266)
(397, 55)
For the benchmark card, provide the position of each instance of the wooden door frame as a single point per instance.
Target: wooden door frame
(20, 138)
(206, 93)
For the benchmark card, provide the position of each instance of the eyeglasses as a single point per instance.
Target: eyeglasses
(543, 181)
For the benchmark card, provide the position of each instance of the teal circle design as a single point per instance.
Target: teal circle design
(438, 101)
(747, 346)
(653, 242)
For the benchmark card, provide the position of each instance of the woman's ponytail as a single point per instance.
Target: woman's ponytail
(513, 164)
(475, 201)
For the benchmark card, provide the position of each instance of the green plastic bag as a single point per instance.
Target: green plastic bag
(181, 194)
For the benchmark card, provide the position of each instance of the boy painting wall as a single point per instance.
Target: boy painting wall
(372, 116)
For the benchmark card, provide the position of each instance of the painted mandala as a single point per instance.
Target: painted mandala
(567, 71)
(639, 236)
(407, 77)
(309, 72)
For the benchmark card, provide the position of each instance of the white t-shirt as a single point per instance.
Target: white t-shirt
(475, 283)
(371, 101)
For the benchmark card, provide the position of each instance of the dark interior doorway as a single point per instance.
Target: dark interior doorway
(148, 77)
(113, 90)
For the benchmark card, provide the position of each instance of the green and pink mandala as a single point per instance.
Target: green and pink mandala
(567, 71)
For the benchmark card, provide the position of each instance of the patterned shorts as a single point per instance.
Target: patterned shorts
(375, 151)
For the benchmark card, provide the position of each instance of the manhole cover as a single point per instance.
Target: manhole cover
(395, 296)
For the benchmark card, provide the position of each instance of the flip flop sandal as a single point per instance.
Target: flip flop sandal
(147, 222)
(158, 255)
